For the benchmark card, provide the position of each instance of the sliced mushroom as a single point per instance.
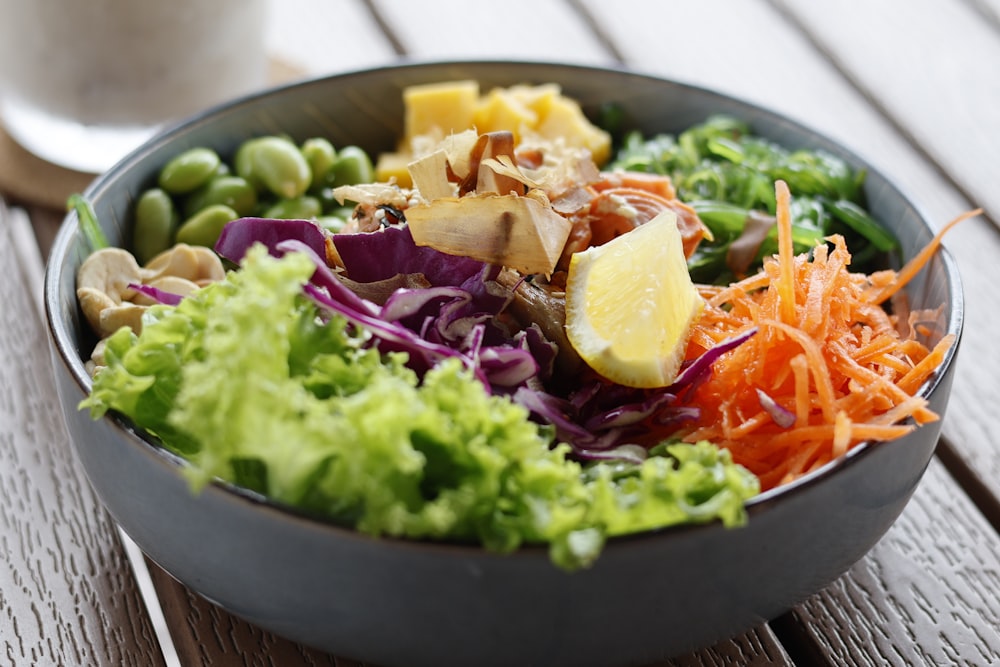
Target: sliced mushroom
(544, 306)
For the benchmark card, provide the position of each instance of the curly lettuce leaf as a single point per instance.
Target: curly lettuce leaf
(253, 384)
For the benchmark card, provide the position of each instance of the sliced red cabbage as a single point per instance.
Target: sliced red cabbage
(782, 416)
(157, 294)
(373, 256)
(238, 235)
(695, 370)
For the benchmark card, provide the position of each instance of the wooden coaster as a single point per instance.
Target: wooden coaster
(27, 178)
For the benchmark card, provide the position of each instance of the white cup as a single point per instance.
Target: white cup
(83, 82)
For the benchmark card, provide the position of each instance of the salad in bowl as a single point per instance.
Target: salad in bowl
(514, 329)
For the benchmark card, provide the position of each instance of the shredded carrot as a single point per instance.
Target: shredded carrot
(913, 267)
(825, 351)
(786, 276)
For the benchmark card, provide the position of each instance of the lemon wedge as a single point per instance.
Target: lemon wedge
(630, 304)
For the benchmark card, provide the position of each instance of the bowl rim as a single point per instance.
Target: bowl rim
(62, 340)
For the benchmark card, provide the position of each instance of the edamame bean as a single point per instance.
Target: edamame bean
(320, 155)
(300, 208)
(244, 167)
(275, 164)
(233, 191)
(156, 220)
(353, 166)
(204, 227)
(189, 170)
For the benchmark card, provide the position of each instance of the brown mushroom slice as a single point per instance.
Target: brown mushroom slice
(544, 306)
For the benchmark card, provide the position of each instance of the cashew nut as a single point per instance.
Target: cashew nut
(198, 264)
(103, 282)
(125, 315)
(107, 301)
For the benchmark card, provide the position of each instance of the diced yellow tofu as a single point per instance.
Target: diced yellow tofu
(440, 108)
(499, 110)
(537, 98)
(562, 117)
(393, 166)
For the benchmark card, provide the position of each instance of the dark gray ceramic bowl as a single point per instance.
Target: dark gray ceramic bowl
(389, 601)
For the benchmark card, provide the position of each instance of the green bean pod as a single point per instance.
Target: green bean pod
(156, 220)
(189, 170)
(204, 227)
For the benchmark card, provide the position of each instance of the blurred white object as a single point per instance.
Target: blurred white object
(83, 83)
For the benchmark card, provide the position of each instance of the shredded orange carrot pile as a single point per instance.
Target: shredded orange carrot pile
(828, 367)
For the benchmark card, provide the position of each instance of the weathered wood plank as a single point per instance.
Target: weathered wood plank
(922, 587)
(318, 38)
(515, 29)
(67, 595)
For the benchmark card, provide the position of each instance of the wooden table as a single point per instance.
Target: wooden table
(913, 85)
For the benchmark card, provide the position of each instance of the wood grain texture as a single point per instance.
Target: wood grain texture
(67, 595)
(918, 606)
